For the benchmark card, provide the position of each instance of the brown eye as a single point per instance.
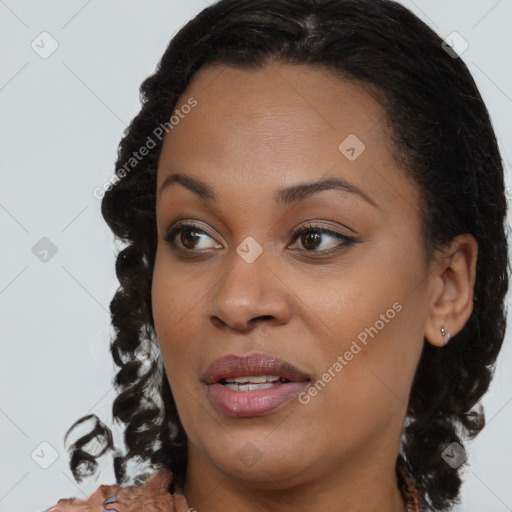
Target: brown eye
(188, 237)
(320, 240)
(311, 240)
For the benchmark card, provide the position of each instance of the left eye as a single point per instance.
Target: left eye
(317, 239)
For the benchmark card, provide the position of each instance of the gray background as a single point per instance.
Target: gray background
(61, 120)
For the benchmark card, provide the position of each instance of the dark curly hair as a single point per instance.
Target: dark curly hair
(442, 137)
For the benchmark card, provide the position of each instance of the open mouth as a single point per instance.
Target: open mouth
(253, 383)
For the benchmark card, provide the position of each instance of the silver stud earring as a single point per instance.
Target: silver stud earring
(446, 335)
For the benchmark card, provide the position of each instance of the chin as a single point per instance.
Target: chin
(253, 459)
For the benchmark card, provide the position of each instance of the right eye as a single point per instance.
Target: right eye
(190, 237)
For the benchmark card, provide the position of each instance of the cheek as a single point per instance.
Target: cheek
(174, 297)
(376, 319)
(362, 389)
(173, 302)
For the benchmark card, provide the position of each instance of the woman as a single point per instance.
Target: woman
(312, 202)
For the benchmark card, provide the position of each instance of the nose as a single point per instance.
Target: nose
(250, 293)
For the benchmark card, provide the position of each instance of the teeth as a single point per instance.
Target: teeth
(254, 379)
(249, 387)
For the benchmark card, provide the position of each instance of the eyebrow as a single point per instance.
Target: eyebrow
(286, 196)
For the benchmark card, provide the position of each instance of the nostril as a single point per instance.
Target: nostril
(246, 326)
(217, 321)
(263, 317)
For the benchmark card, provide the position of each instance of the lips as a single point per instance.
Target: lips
(252, 385)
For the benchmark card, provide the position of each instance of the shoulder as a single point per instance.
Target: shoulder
(152, 496)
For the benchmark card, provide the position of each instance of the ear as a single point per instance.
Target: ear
(452, 289)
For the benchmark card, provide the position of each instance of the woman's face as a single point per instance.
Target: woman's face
(259, 156)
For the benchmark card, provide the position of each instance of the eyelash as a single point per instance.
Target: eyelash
(345, 241)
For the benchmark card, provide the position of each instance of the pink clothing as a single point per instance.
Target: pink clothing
(153, 496)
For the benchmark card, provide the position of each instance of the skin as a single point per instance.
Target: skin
(254, 132)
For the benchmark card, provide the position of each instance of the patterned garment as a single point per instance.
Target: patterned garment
(153, 496)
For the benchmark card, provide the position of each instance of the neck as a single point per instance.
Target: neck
(372, 486)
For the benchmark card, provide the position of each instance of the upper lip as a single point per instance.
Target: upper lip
(232, 366)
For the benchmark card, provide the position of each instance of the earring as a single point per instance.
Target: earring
(446, 335)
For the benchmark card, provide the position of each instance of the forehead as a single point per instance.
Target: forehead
(280, 124)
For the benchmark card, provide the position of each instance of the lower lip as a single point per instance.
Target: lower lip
(245, 404)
